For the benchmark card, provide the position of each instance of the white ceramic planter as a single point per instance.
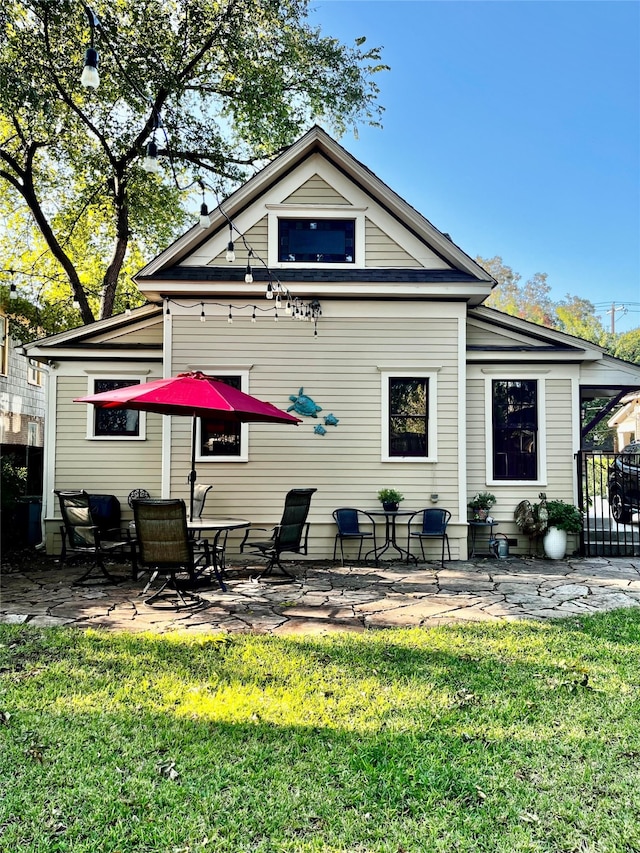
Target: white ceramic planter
(555, 543)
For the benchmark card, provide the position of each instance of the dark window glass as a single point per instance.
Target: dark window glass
(328, 241)
(115, 422)
(408, 416)
(515, 429)
(217, 437)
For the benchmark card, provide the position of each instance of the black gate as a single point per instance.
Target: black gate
(609, 488)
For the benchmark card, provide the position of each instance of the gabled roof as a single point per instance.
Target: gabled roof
(102, 338)
(157, 277)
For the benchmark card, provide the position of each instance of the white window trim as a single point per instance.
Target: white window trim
(313, 212)
(243, 373)
(142, 422)
(431, 375)
(542, 427)
(34, 373)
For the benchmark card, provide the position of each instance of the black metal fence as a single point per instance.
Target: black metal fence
(608, 485)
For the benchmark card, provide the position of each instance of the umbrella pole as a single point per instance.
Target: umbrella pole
(192, 474)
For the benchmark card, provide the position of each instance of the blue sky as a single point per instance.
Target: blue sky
(514, 125)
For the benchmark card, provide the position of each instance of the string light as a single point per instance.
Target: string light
(269, 290)
(205, 219)
(231, 255)
(150, 163)
(90, 78)
(249, 275)
(302, 311)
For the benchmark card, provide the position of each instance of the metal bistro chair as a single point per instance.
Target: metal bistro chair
(289, 536)
(348, 520)
(433, 526)
(83, 534)
(165, 547)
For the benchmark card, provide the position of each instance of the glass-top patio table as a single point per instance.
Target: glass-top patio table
(390, 541)
(219, 526)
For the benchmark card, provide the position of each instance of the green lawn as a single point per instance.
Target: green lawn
(519, 737)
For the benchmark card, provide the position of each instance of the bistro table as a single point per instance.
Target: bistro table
(219, 525)
(390, 541)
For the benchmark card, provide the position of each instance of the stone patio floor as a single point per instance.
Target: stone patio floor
(327, 597)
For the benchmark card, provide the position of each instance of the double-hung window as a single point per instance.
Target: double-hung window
(219, 440)
(515, 416)
(408, 417)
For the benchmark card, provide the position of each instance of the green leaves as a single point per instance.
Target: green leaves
(227, 84)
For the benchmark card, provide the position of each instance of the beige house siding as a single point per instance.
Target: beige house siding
(316, 191)
(149, 335)
(100, 467)
(256, 237)
(339, 369)
(383, 251)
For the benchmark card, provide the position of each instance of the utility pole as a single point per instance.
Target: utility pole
(612, 311)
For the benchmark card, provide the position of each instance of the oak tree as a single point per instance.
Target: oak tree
(217, 86)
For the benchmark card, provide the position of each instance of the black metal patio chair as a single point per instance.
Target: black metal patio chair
(349, 521)
(433, 525)
(289, 536)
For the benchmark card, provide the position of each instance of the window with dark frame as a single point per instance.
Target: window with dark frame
(115, 423)
(327, 241)
(219, 437)
(515, 429)
(408, 416)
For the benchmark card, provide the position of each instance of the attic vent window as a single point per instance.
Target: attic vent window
(327, 241)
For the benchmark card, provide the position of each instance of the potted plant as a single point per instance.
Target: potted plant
(390, 499)
(480, 504)
(563, 518)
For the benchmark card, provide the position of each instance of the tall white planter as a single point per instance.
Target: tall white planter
(555, 543)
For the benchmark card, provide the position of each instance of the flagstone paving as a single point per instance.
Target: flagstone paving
(326, 597)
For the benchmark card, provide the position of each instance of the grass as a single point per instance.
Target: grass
(519, 737)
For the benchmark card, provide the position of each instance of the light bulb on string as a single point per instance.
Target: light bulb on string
(230, 317)
(205, 220)
(90, 78)
(13, 291)
(249, 275)
(231, 255)
(253, 316)
(150, 163)
(269, 293)
(202, 315)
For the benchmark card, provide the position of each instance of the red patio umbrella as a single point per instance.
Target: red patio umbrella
(193, 394)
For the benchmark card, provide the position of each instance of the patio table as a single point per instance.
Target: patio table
(218, 526)
(390, 541)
